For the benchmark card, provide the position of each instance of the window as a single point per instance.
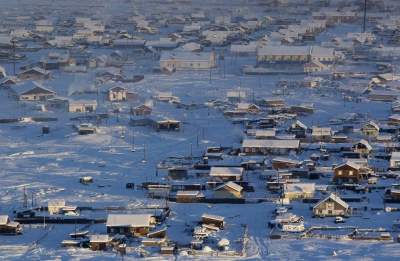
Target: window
(339, 172)
(350, 173)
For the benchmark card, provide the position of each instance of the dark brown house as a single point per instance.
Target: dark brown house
(348, 172)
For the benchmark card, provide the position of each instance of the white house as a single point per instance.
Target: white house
(117, 94)
(82, 106)
(181, 60)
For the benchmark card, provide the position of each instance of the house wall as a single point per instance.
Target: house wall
(330, 209)
(117, 96)
(81, 107)
(35, 97)
(347, 174)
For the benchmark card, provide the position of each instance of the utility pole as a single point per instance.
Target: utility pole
(144, 154)
(13, 58)
(365, 15)
(133, 140)
(25, 203)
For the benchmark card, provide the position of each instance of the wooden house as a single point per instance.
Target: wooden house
(228, 190)
(248, 108)
(99, 242)
(130, 224)
(183, 60)
(34, 92)
(214, 220)
(141, 110)
(82, 106)
(299, 129)
(321, 134)
(227, 173)
(8, 227)
(293, 191)
(284, 163)
(34, 74)
(314, 66)
(331, 206)
(348, 172)
(177, 173)
(370, 129)
(117, 94)
(363, 147)
(168, 125)
(189, 196)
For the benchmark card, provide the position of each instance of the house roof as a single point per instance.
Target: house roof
(226, 171)
(128, 220)
(350, 164)
(186, 56)
(99, 238)
(215, 217)
(38, 89)
(299, 187)
(372, 124)
(231, 185)
(36, 69)
(335, 198)
(118, 89)
(365, 143)
(299, 124)
(192, 193)
(285, 144)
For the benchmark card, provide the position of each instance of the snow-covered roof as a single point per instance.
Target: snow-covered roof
(299, 187)
(231, 185)
(128, 220)
(209, 216)
(335, 198)
(99, 238)
(286, 144)
(185, 56)
(350, 164)
(226, 171)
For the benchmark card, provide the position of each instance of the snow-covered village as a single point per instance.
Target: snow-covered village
(200, 130)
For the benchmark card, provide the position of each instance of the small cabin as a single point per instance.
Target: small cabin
(8, 227)
(228, 190)
(82, 106)
(189, 196)
(227, 173)
(214, 220)
(36, 93)
(177, 173)
(99, 242)
(370, 129)
(348, 172)
(117, 94)
(134, 225)
(141, 110)
(294, 191)
(169, 125)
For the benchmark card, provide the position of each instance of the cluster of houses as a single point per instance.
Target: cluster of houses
(309, 170)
